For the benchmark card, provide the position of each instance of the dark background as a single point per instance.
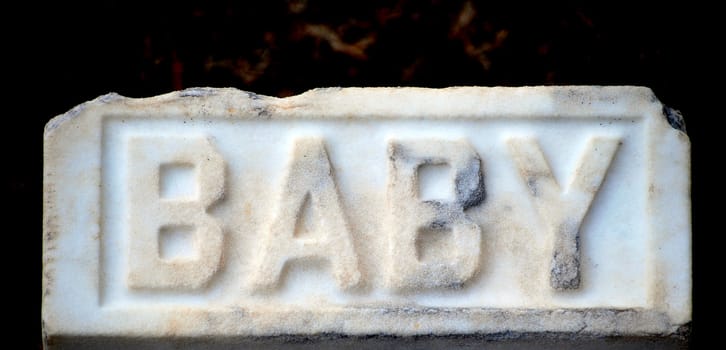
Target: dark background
(58, 55)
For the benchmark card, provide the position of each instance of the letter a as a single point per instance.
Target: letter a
(309, 183)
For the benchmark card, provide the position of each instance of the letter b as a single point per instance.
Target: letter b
(173, 242)
(433, 243)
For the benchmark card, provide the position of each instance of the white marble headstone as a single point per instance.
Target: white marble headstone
(211, 213)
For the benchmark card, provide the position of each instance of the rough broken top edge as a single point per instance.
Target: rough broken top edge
(238, 97)
(77, 110)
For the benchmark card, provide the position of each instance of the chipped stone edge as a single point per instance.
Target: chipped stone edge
(56, 122)
(325, 102)
(675, 119)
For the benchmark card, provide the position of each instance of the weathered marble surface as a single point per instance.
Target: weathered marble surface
(367, 211)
